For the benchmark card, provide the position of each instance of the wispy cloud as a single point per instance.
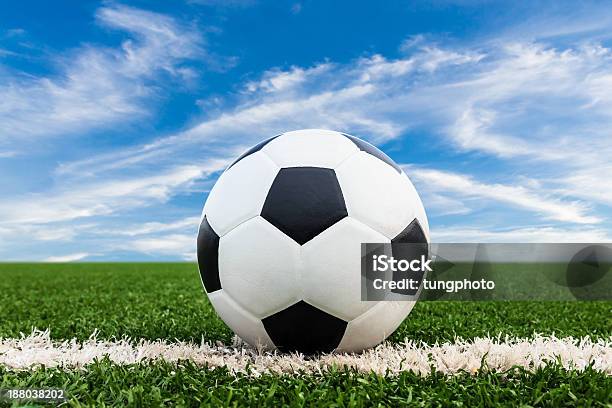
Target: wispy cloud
(100, 198)
(7, 154)
(520, 235)
(98, 86)
(67, 258)
(182, 245)
(581, 21)
(514, 195)
(590, 183)
(441, 204)
(496, 113)
(185, 224)
(475, 108)
(357, 97)
(46, 232)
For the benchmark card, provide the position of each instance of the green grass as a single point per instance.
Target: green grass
(160, 383)
(166, 301)
(137, 300)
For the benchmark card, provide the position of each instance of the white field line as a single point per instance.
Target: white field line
(499, 354)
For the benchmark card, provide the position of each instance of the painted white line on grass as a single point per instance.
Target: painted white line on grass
(499, 354)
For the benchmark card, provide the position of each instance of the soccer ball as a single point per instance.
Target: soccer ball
(279, 242)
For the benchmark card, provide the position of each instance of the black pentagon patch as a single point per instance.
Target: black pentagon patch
(304, 328)
(208, 256)
(253, 149)
(589, 273)
(368, 148)
(412, 234)
(304, 201)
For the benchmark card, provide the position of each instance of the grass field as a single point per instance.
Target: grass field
(166, 301)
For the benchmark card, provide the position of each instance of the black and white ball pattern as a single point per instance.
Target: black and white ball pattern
(279, 241)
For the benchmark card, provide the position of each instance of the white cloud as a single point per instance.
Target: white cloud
(96, 86)
(383, 99)
(514, 195)
(67, 258)
(361, 98)
(100, 197)
(471, 130)
(520, 235)
(161, 42)
(183, 245)
(434, 58)
(189, 223)
(277, 80)
(520, 103)
(412, 41)
(38, 232)
(441, 204)
(578, 20)
(591, 183)
(378, 67)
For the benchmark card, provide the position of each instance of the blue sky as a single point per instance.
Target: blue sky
(117, 117)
